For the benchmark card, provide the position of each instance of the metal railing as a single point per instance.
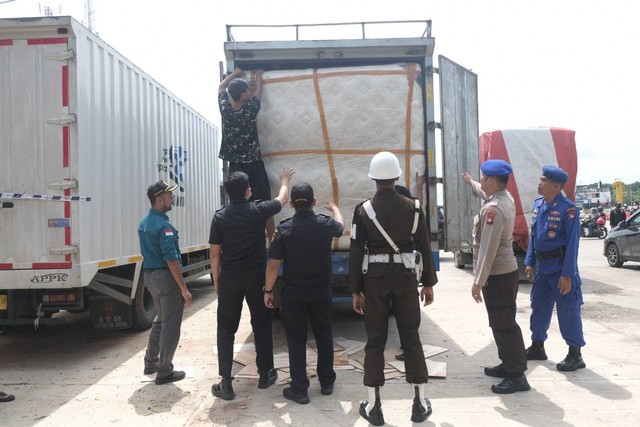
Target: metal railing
(363, 27)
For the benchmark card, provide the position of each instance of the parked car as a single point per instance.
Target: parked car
(623, 242)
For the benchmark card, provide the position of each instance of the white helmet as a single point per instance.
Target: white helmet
(384, 165)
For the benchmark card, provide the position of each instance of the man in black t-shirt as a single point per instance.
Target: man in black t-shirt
(238, 260)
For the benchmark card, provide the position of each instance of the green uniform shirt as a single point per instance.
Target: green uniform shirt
(158, 240)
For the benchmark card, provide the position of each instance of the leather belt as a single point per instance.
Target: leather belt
(384, 258)
(555, 253)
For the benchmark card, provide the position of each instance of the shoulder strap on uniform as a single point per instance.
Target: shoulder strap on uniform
(415, 217)
(372, 215)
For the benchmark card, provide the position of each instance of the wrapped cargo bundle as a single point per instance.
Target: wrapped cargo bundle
(328, 123)
(527, 150)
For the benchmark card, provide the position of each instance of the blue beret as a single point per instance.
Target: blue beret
(496, 167)
(555, 174)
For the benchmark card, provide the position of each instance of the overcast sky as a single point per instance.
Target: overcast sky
(557, 63)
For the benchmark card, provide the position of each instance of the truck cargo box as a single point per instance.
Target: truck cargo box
(83, 133)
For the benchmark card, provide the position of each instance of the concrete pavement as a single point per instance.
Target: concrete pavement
(70, 374)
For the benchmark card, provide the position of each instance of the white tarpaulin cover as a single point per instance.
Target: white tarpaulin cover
(328, 123)
(527, 150)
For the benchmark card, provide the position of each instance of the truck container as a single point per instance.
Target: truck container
(83, 133)
(330, 104)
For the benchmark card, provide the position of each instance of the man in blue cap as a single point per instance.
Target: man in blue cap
(496, 273)
(553, 257)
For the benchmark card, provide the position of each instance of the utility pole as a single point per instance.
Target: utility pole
(89, 12)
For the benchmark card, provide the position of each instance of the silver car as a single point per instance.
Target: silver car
(623, 242)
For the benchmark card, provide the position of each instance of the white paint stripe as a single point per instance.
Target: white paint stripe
(25, 196)
(528, 152)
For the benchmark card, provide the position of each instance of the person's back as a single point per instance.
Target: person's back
(314, 233)
(241, 226)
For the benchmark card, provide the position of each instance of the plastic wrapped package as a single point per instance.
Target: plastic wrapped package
(328, 123)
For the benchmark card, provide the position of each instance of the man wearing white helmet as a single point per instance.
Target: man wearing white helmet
(390, 258)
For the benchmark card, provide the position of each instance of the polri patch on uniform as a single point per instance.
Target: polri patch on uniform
(571, 213)
(554, 213)
(551, 234)
(491, 214)
(552, 225)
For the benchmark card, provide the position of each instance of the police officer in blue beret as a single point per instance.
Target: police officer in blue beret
(495, 273)
(552, 265)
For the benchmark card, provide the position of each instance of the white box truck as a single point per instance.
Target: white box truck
(329, 104)
(83, 133)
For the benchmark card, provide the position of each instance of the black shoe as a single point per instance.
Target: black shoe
(150, 370)
(326, 389)
(374, 416)
(511, 385)
(572, 362)
(536, 351)
(223, 390)
(267, 378)
(419, 413)
(496, 371)
(299, 397)
(400, 356)
(173, 377)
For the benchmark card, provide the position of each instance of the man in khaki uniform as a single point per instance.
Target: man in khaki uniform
(496, 273)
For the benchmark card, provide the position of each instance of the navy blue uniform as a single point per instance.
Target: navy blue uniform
(304, 243)
(553, 250)
(239, 229)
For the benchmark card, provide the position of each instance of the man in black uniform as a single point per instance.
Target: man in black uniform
(238, 273)
(389, 257)
(304, 243)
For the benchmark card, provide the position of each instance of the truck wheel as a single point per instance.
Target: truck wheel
(458, 260)
(613, 256)
(142, 308)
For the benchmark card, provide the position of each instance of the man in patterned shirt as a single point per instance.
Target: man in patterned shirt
(239, 106)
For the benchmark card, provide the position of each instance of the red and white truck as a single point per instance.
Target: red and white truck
(83, 133)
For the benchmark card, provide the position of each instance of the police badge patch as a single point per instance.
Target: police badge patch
(551, 234)
(491, 214)
(571, 213)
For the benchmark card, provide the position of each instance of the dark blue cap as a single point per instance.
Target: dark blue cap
(555, 174)
(496, 167)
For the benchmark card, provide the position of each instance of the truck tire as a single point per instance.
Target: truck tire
(142, 309)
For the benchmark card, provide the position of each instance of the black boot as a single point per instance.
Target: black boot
(419, 412)
(374, 416)
(224, 389)
(536, 351)
(511, 384)
(573, 361)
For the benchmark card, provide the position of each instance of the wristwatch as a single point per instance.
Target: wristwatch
(266, 291)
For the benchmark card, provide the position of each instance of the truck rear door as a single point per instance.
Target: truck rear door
(34, 130)
(459, 123)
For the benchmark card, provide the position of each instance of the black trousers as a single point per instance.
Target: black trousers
(386, 284)
(234, 288)
(300, 306)
(500, 295)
